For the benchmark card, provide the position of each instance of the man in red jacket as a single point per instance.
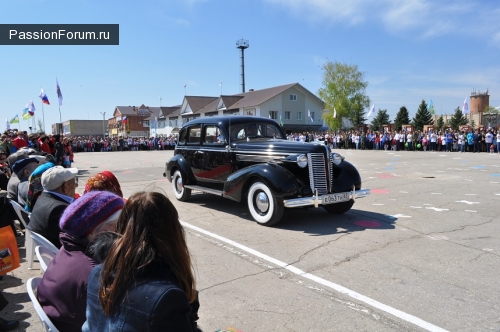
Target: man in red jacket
(19, 141)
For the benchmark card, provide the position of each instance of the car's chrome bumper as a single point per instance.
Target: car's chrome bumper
(317, 200)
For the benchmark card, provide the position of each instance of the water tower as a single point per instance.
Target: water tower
(242, 44)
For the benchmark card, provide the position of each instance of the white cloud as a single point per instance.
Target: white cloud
(420, 18)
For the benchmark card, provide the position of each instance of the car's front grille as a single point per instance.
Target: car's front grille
(317, 173)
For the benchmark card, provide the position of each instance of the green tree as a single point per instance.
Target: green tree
(379, 120)
(440, 123)
(422, 117)
(401, 118)
(491, 109)
(458, 119)
(344, 91)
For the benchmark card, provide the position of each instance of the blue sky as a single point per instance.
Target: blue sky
(408, 51)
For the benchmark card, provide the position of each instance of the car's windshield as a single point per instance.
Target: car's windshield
(255, 130)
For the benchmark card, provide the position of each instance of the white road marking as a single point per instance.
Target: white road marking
(341, 289)
(470, 210)
(404, 192)
(487, 249)
(467, 202)
(438, 237)
(443, 155)
(470, 194)
(416, 207)
(399, 215)
(426, 204)
(493, 182)
(437, 209)
(436, 193)
(377, 204)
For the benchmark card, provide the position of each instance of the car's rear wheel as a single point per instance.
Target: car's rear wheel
(180, 192)
(266, 209)
(339, 208)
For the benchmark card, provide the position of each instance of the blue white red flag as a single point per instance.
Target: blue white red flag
(43, 97)
(124, 119)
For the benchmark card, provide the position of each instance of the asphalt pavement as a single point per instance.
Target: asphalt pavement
(420, 253)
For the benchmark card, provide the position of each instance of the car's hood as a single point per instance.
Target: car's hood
(278, 146)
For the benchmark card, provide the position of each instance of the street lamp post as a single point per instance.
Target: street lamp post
(103, 125)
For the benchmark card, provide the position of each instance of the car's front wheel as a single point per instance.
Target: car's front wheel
(266, 209)
(339, 208)
(180, 192)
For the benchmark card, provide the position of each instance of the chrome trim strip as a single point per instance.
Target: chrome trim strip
(317, 200)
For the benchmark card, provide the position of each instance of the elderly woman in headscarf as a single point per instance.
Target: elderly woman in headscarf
(104, 181)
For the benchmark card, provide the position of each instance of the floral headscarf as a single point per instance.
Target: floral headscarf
(104, 181)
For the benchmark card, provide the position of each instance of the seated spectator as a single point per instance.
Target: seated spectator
(146, 282)
(23, 169)
(35, 187)
(59, 186)
(63, 289)
(14, 180)
(103, 181)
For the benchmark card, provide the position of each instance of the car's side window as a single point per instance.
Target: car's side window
(182, 137)
(194, 135)
(213, 135)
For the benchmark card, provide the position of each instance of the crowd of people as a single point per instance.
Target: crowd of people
(447, 140)
(123, 263)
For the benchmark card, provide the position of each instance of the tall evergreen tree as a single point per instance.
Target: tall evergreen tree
(379, 120)
(458, 119)
(422, 117)
(440, 123)
(357, 115)
(401, 118)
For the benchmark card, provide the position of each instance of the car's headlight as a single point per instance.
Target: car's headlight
(336, 158)
(302, 161)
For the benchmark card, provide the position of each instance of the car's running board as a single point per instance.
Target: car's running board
(205, 190)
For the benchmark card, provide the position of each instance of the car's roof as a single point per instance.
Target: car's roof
(229, 119)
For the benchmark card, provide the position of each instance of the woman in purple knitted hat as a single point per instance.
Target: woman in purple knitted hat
(63, 289)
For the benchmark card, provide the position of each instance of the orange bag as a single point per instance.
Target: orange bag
(9, 253)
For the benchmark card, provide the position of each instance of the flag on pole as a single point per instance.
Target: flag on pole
(371, 110)
(465, 107)
(29, 110)
(309, 115)
(156, 119)
(281, 121)
(15, 119)
(184, 85)
(430, 107)
(220, 84)
(124, 120)
(43, 97)
(334, 113)
(59, 94)
(7, 124)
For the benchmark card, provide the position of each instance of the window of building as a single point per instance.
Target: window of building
(145, 123)
(293, 97)
(172, 122)
(299, 115)
(273, 115)
(287, 115)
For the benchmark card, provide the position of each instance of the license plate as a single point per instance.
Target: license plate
(335, 198)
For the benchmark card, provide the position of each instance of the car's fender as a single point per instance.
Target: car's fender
(178, 162)
(345, 176)
(280, 181)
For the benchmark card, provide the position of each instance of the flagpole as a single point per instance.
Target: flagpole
(43, 118)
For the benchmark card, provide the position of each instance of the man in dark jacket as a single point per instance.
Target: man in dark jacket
(59, 186)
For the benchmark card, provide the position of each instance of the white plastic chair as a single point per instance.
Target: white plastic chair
(31, 286)
(45, 256)
(40, 240)
(28, 241)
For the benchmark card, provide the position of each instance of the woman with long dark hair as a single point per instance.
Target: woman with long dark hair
(145, 282)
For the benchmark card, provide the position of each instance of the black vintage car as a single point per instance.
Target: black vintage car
(249, 158)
